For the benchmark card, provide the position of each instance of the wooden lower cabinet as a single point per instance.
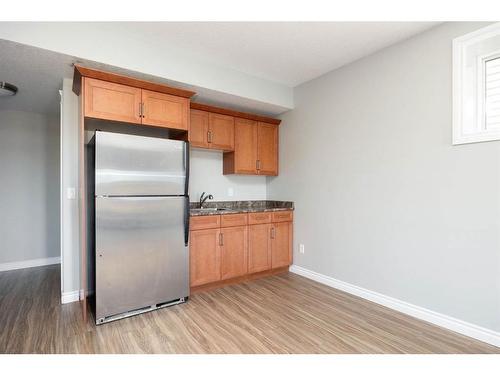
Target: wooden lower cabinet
(234, 252)
(225, 247)
(281, 244)
(259, 247)
(204, 256)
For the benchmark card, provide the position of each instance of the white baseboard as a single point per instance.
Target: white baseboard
(453, 324)
(69, 297)
(29, 263)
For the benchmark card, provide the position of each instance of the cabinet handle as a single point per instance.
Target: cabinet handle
(209, 136)
(258, 164)
(140, 110)
(272, 233)
(221, 239)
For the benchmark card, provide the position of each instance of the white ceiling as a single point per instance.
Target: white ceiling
(38, 75)
(289, 53)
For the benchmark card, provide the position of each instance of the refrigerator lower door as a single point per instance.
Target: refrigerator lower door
(141, 256)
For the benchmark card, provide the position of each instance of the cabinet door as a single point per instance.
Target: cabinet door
(234, 252)
(221, 129)
(111, 101)
(198, 129)
(267, 149)
(259, 248)
(245, 146)
(281, 244)
(204, 256)
(165, 110)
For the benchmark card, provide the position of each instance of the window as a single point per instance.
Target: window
(476, 86)
(492, 93)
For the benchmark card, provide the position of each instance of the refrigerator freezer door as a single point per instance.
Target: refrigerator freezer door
(141, 258)
(128, 165)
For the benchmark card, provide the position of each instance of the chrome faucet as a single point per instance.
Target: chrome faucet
(204, 197)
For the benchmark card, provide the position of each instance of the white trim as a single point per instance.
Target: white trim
(69, 297)
(29, 263)
(476, 132)
(61, 189)
(453, 324)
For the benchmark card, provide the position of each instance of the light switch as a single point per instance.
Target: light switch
(71, 193)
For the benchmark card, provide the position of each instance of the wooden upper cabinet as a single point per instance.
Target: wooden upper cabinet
(165, 110)
(234, 252)
(267, 149)
(198, 129)
(281, 244)
(221, 132)
(204, 256)
(111, 101)
(211, 130)
(250, 141)
(245, 144)
(255, 149)
(116, 102)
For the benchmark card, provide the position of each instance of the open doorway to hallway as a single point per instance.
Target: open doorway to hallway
(29, 169)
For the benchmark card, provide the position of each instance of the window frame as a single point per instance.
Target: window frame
(476, 131)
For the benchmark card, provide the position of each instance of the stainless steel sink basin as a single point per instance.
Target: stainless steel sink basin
(209, 209)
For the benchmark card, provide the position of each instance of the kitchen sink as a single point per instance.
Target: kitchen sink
(209, 209)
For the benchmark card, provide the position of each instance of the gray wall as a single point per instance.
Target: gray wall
(383, 200)
(29, 188)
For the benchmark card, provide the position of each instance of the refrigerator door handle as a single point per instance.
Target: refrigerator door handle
(186, 167)
(186, 222)
(186, 192)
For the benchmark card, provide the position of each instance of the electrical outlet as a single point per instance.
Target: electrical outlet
(302, 248)
(230, 192)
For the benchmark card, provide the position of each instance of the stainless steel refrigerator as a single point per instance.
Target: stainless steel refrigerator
(140, 256)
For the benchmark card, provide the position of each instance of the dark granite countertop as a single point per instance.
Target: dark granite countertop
(237, 207)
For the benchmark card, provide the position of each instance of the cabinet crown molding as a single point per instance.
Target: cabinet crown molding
(230, 112)
(81, 71)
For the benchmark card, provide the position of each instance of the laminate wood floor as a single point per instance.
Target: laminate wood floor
(279, 314)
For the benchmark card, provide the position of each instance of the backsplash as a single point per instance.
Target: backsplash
(206, 175)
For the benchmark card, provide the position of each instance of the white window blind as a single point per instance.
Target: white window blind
(492, 94)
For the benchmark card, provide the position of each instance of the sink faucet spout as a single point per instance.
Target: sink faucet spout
(204, 197)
